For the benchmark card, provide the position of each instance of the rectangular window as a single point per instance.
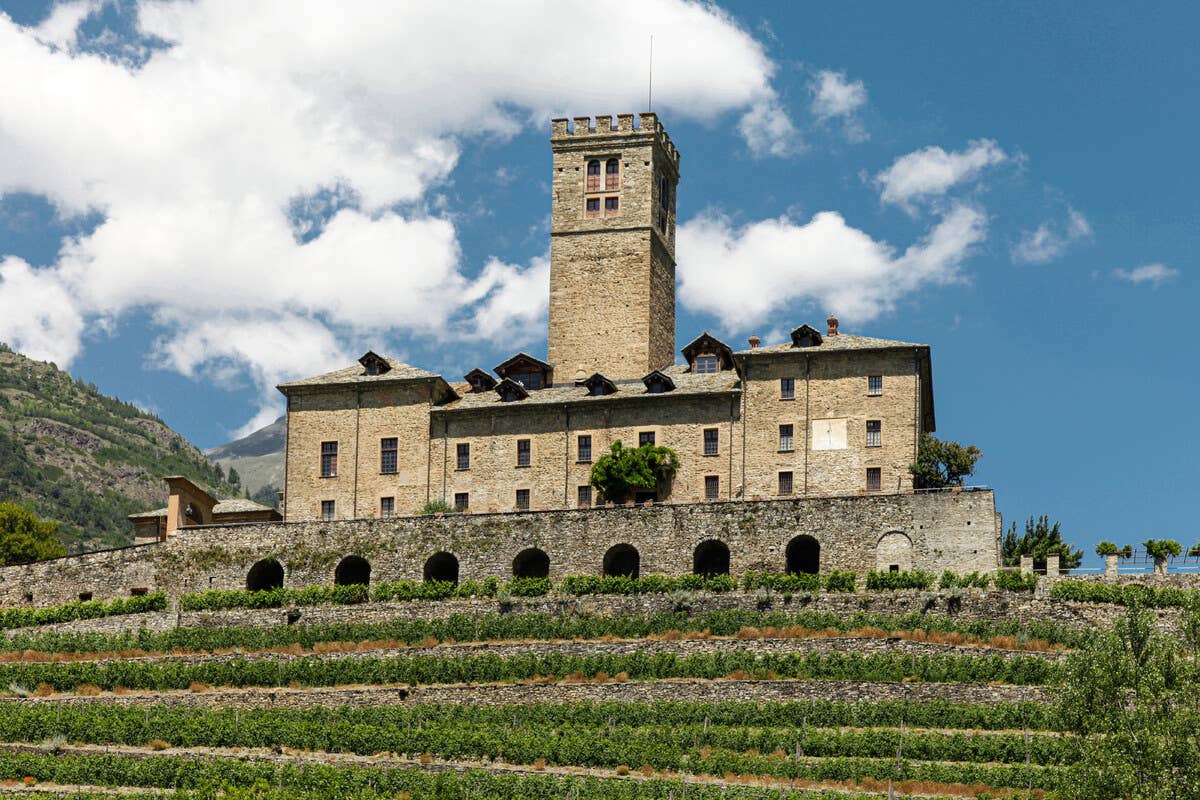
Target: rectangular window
(462, 501)
(707, 365)
(522, 452)
(462, 451)
(874, 479)
(522, 499)
(327, 510)
(787, 388)
(710, 441)
(785, 483)
(387, 506)
(786, 438)
(329, 459)
(712, 487)
(645, 437)
(874, 433)
(585, 497)
(593, 206)
(387, 456)
(585, 449)
(874, 385)
(611, 206)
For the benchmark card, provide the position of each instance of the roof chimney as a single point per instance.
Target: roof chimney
(755, 342)
(832, 322)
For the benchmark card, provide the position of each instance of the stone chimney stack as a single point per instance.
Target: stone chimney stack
(755, 342)
(832, 322)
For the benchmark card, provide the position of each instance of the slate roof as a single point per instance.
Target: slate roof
(843, 341)
(358, 374)
(235, 505)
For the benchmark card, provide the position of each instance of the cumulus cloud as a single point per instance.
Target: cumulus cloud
(929, 173)
(1048, 241)
(1153, 275)
(835, 97)
(744, 274)
(279, 171)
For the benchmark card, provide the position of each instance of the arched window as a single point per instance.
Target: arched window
(612, 175)
(593, 176)
(442, 567)
(622, 559)
(711, 558)
(804, 555)
(352, 571)
(531, 563)
(264, 575)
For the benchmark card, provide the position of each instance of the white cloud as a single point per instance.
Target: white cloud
(1048, 241)
(743, 275)
(836, 97)
(280, 171)
(1153, 274)
(931, 172)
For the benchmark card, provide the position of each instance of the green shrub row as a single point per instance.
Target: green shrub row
(793, 583)
(646, 584)
(80, 609)
(883, 580)
(1088, 591)
(540, 626)
(1013, 581)
(484, 668)
(273, 598)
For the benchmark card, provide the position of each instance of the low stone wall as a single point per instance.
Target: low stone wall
(948, 530)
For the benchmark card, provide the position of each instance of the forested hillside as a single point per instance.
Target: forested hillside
(85, 460)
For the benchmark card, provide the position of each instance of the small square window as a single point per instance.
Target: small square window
(584, 497)
(874, 479)
(712, 487)
(327, 510)
(387, 506)
(329, 454)
(787, 388)
(611, 206)
(593, 206)
(711, 440)
(522, 499)
(462, 501)
(874, 433)
(785, 483)
(387, 456)
(462, 452)
(874, 385)
(786, 438)
(707, 365)
(585, 449)
(645, 437)
(522, 452)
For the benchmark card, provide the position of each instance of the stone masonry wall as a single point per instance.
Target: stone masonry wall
(951, 530)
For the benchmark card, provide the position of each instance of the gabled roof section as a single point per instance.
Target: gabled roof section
(706, 343)
(480, 381)
(510, 390)
(374, 363)
(521, 362)
(359, 374)
(599, 386)
(806, 336)
(658, 382)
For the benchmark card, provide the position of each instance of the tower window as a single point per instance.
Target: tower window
(462, 501)
(874, 433)
(787, 388)
(874, 385)
(387, 506)
(786, 438)
(785, 483)
(585, 449)
(593, 176)
(612, 175)
(593, 207)
(462, 452)
(522, 499)
(874, 479)
(710, 441)
(584, 497)
(387, 455)
(664, 203)
(522, 452)
(329, 459)
(706, 365)
(645, 437)
(712, 487)
(327, 510)
(611, 206)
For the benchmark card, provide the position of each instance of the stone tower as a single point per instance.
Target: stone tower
(612, 247)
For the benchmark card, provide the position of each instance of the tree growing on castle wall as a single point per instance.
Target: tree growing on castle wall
(624, 470)
(943, 464)
(1040, 539)
(25, 538)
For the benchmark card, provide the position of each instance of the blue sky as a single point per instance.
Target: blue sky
(148, 155)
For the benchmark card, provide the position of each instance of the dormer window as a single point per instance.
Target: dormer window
(509, 390)
(599, 386)
(806, 336)
(658, 382)
(480, 381)
(374, 364)
(707, 355)
(707, 365)
(530, 372)
(530, 380)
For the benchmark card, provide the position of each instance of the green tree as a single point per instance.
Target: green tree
(25, 538)
(624, 469)
(1040, 539)
(942, 464)
(234, 479)
(432, 507)
(1134, 698)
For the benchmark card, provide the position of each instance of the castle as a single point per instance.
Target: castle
(793, 456)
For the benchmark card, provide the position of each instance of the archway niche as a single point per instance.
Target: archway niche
(804, 555)
(894, 552)
(351, 571)
(623, 560)
(442, 567)
(264, 575)
(711, 558)
(531, 563)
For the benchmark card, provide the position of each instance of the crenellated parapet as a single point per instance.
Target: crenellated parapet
(594, 128)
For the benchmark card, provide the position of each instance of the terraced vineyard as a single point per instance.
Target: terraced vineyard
(717, 694)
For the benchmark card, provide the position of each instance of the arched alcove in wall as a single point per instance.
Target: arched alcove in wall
(531, 563)
(622, 559)
(351, 571)
(804, 555)
(441, 566)
(711, 557)
(264, 575)
(894, 552)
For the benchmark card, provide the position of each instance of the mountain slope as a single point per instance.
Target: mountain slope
(83, 459)
(258, 459)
